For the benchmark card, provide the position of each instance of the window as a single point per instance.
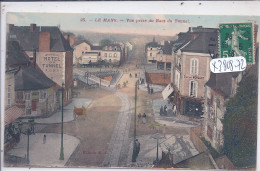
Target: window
(115, 55)
(43, 94)
(105, 54)
(193, 88)
(110, 54)
(194, 67)
(151, 54)
(19, 95)
(27, 95)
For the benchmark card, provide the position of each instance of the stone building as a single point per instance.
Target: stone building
(218, 90)
(47, 47)
(190, 70)
(151, 51)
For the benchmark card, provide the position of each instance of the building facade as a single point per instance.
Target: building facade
(47, 47)
(190, 69)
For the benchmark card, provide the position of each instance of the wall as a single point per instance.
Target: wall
(83, 47)
(201, 78)
(53, 65)
(9, 80)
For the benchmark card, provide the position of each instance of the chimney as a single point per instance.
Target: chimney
(11, 26)
(32, 27)
(44, 42)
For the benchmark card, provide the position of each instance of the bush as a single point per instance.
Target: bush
(240, 124)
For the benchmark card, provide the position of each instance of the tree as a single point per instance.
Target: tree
(105, 42)
(240, 124)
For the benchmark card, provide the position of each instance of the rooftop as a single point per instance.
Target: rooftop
(28, 78)
(14, 55)
(29, 38)
(221, 82)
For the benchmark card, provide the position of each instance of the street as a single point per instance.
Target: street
(105, 133)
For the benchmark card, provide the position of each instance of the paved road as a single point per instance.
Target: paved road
(119, 139)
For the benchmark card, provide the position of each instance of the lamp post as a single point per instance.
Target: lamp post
(157, 136)
(61, 148)
(134, 145)
(29, 129)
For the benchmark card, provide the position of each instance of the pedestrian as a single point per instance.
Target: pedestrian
(130, 75)
(137, 148)
(165, 109)
(151, 90)
(44, 138)
(139, 118)
(161, 110)
(144, 118)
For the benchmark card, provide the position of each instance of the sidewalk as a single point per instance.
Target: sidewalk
(180, 146)
(45, 155)
(67, 112)
(170, 119)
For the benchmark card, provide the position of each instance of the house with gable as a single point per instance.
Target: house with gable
(190, 71)
(47, 47)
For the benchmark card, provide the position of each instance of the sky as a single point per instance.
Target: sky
(84, 22)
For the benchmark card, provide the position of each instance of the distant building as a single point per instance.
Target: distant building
(151, 51)
(70, 37)
(164, 57)
(190, 71)
(112, 54)
(46, 46)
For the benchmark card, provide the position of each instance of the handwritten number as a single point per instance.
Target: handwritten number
(242, 61)
(220, 65)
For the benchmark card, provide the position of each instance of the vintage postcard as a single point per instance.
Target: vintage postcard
(138, 91)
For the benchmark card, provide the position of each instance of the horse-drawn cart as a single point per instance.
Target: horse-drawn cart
(79, 112)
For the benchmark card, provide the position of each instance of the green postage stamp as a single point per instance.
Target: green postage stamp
(237, 39)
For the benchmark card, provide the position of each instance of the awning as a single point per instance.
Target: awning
(167, 91)
(12, 114)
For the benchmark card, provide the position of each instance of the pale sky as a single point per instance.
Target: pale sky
(71, 22)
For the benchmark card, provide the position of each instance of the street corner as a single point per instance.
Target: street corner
(44, 149)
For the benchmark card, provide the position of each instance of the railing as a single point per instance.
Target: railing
(92, 78)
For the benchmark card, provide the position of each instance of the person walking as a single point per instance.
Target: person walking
(137, 147)
(144, 118)
(44, 138)
(139, 118)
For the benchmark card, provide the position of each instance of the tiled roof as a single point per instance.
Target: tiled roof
(14, 55)
(29, 40)
(12, 113)
(221, 82)
(28, 78)
(96, 47)
(203, 43)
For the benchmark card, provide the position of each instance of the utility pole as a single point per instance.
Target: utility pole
(134, 147)
(61, 148)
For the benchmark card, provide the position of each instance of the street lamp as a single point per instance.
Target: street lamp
(27, 129)
(157, 136)
(61, 148)
(134, 143)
